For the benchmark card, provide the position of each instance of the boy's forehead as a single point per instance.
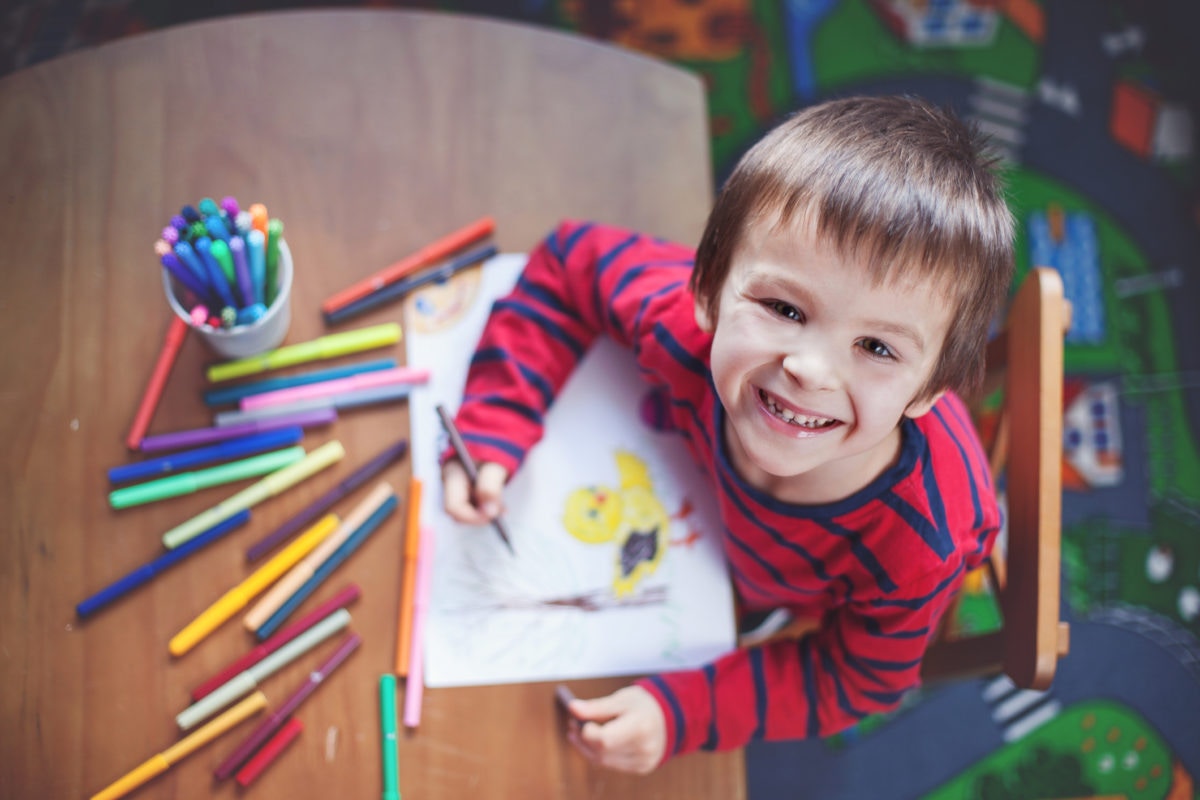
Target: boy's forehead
(805, 230)
(790, 238)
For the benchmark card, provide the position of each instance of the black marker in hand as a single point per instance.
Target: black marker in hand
(460, 448)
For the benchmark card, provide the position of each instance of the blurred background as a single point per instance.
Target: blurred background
(1091, 105)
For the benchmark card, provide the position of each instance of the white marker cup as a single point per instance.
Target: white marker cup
(241, 341)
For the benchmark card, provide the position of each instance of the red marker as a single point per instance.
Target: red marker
(269, 752)
(158, 380)
(428, 254)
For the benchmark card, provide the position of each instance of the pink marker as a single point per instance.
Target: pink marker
(365, 380)
(416, 674)
(199, 315)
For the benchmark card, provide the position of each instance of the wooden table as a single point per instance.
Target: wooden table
(369, 133)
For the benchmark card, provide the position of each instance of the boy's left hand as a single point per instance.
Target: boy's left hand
(624, 731)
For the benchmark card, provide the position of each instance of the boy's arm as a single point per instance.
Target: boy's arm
(862, 661)
(582, 281)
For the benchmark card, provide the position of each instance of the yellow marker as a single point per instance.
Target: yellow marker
(270, 602)
(239, 596)
(331, 346)
(160, 763)
(278, 481)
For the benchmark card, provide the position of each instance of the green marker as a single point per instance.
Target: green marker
(387, 717)
(274, 235)
(189, 482)
(224, 257)
(332, 345)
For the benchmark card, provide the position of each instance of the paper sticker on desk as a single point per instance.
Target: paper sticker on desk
(618, 567)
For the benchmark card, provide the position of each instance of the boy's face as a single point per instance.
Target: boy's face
(815, 366)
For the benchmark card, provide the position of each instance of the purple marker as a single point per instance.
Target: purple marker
(199, 436)
(326, 501)
(242, 269)
(230, 204)
(273, 722)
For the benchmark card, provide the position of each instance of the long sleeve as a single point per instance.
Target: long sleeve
(862, 660)
(582, 281)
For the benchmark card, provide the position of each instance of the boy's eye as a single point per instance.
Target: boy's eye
(786, 310)
(876, 348)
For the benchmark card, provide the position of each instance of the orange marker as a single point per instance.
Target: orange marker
(412, 541)
(428, 254)
(158, 380)
(258, 218)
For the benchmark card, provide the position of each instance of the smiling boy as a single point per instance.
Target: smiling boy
(812, 349)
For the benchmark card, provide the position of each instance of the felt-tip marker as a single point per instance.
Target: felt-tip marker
(460, 448)
(144, 573)
(404, 286)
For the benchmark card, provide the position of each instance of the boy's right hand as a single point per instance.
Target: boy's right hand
(478, 504)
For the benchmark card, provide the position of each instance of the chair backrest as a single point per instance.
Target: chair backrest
(1026, 359)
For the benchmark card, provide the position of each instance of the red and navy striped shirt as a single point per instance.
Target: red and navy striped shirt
(879, 568)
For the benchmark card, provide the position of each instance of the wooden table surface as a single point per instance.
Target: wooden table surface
(369, 133)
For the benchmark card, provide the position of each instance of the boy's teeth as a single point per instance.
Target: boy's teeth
(788, 416)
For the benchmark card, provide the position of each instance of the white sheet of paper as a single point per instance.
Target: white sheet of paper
(551, 611)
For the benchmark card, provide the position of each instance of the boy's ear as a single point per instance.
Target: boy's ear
(703, 315)
(919, 408)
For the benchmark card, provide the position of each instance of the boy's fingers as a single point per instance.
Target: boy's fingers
(456, 494)
(601, 709)
(610, 706)
(615, 745)
(489, 488)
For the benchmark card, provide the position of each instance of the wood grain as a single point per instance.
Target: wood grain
(369, 133)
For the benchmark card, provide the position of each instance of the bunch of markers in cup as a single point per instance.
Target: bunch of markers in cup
(226, 258)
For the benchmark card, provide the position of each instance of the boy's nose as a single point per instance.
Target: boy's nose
(812, 368)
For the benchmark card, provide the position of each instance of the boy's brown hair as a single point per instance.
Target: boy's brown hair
(896, 181)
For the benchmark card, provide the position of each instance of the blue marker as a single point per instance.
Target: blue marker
(144, 573)
(225, 451)
(256, 247)
(192, 261)
(251, 314)
(344, 551)
(190, 214)
(216, 228)
(216, 277)
(184, 276)
(232, 394)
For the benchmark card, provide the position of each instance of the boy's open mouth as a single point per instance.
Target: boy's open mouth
(788, 416)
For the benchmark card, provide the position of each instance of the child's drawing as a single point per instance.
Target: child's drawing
(630, 516)
(618, 568)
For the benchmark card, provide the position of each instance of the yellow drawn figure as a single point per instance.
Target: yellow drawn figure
(632, 516)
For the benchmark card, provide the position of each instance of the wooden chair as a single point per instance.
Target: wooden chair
(1026, 359)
